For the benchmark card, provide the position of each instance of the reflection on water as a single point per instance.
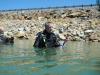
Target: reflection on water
(76, 58)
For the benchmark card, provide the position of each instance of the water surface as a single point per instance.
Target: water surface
(75, 58)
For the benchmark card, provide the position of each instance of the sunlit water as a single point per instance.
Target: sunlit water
(75, 58)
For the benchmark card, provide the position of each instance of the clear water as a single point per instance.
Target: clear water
(76, 58)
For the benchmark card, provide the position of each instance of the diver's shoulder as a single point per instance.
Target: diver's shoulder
(41, 32)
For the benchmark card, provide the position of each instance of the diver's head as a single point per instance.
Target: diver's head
(49, 26)
(1, 30)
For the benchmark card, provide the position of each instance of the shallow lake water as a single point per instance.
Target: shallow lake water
(75, 58)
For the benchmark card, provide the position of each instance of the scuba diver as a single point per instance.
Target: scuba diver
(48, 38)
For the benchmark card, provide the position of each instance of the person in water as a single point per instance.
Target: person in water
(48, 37)
(5, 39)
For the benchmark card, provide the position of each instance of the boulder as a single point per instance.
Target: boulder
(20, 34)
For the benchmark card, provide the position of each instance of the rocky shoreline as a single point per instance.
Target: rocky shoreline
(78, 24)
